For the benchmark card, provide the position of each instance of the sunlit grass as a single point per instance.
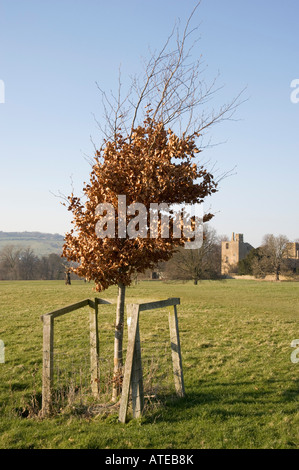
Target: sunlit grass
(242, 389)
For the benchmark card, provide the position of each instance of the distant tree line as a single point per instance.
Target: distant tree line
(197, 264)
(272, 257)
(203, 263)
(23, 264)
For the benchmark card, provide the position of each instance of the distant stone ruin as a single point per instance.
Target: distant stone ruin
(235, 250)
(232, 252)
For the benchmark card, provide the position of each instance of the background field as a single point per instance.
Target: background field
(41, 243)
(242, 388)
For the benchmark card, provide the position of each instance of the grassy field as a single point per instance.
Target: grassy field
(242, 390)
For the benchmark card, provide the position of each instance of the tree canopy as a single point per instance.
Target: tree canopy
(154, 165)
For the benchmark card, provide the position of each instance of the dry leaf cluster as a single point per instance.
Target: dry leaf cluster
(153, 165)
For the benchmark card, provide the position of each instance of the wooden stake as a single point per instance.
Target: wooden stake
(118, 343)
(137, 379)
(134, 313)
(176, 353)
(48, 345)
(48, 338)
(94, 350)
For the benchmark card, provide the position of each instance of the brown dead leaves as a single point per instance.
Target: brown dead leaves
(154, 166)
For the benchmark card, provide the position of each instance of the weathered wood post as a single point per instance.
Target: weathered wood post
(48, 348)
(118, 343)
(94, 349)
(133, 326)
(176, 353)
(2, 352)
(48, 339)
(133, 368)
(137, 378)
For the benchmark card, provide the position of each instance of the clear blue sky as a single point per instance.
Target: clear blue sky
(53, 51)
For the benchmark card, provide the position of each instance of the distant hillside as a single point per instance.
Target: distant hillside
(40, 243)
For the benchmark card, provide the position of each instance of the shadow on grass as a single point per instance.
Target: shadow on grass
(291, 394)
(18, 387)
(226, 401)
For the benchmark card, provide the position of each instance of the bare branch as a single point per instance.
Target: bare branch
(171, 91)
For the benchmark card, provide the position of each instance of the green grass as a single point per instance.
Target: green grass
(41, 243)
(242, 390)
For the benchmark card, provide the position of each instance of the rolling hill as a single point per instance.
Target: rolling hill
(40, 243)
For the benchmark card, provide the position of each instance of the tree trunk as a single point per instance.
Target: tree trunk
(277, 275)
(118, 343)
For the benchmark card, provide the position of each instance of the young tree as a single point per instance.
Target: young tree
(249, 264)
(151, 140)
(273, 256)
(10, 262)
(28, 264)
(202, 263)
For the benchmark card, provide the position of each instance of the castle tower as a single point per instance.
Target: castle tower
(232, 252)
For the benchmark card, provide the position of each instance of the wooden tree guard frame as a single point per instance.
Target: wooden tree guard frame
(133, 366)
(48, 349)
